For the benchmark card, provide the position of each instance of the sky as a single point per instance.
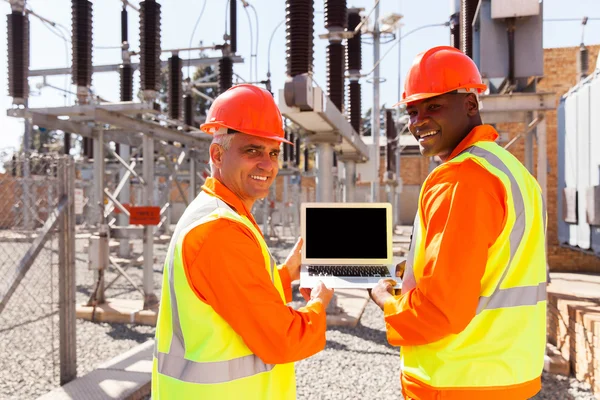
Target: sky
(254, 43)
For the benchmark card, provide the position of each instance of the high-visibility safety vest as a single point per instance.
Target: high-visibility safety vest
(197, 354)
(504, 343)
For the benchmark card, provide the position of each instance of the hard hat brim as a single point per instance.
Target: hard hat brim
(209, 126)
(421, 96)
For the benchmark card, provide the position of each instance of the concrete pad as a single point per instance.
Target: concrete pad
(121, 311)
(127, 376)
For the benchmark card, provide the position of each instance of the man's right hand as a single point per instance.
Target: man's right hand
(319, 292)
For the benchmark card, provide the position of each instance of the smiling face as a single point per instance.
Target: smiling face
(248, 167)
(440, 123)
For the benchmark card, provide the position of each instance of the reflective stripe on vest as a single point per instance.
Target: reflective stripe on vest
(173, 363)
(500, 298)
(523, 295)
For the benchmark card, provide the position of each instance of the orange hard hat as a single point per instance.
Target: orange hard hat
(248, 109)
(441, 70)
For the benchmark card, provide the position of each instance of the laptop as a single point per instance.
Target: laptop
(346, 245)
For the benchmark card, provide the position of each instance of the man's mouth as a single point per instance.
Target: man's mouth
(426, 135)
(259, 178)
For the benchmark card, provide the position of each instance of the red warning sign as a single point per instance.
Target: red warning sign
(144, 215)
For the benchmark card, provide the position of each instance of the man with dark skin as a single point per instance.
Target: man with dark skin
(470, 318)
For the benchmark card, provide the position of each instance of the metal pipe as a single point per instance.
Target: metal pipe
(349, 181)
(375, 127)
(98, 202)
(124, 195)
(324, 172)
(192, 186)
(66, 277)
(27, 219)
(150, 298)
(542, 159)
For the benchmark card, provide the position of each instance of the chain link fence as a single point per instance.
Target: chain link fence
(34, 247)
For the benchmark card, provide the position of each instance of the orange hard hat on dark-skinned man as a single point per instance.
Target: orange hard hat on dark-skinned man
(247, 109)
(440, 70)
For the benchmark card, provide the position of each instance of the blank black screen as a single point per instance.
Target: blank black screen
(346, 233)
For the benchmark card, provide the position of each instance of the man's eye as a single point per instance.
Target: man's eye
(434, 106)
(412, 113)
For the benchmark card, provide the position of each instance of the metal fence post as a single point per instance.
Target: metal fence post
(150, 298)
(66, 279)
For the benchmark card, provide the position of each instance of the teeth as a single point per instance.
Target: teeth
(260, 178)
(431, 133)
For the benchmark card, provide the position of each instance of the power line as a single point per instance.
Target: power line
(192, 36)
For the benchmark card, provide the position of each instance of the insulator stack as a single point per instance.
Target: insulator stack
(67, 143)
(150, 46)
(335, 14)
(188, 109)
(455, 30)
(286, 149)
(233, 25)
(291, 152)
(354, 54)
(335, 74)
(297, 151)
(354, 105)
(175, 87)
(391, 134)
(467, 14)
(18, 56)
(306, 155)
(299, 36)
(88, 147)
(124, 24)
(583, 62)
(81, 70)
(126, 75)
(225, 73)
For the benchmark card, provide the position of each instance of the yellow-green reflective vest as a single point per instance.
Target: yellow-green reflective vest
(197, 354)
(505, 342)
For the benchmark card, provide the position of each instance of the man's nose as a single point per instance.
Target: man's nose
(419, 121)
(266, 163)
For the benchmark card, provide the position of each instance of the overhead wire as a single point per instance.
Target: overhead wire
(192, 37)
(257, 42)
(52, 27)
(251, 39)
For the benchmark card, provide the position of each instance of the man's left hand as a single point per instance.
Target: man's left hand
(382, 291)
(293, 260)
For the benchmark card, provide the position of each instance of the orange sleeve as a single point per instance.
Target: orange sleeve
(225, 267)
(286, 282)
(463, 209)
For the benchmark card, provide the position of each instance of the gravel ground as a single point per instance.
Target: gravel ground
(357, 363)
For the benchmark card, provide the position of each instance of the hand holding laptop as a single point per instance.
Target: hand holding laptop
(318, 293)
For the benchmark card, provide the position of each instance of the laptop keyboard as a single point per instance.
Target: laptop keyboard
(349, 270)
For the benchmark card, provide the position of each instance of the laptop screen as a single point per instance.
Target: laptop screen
(347, 232)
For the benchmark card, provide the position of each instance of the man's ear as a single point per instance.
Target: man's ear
(471, 104)
(216, 154)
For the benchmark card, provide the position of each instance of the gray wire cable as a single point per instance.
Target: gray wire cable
(251, 41)
(192, 36)
(257, 42)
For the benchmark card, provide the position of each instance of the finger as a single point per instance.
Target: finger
(388, 281)
(305, 292)
(298, 244)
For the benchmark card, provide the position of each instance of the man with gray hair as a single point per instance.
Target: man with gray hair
(224, 329)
